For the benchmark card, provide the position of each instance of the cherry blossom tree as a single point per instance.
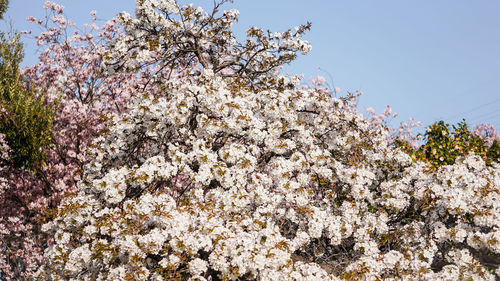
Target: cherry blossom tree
(71, 81)
(25, 124)
(222, 168)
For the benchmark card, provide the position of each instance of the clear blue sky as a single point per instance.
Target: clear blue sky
(430, 59)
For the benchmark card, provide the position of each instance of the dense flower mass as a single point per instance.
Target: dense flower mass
(206, 163)
(214, 181)
(210, 177)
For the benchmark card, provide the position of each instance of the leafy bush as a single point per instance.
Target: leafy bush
(25, 120)
(443, 145)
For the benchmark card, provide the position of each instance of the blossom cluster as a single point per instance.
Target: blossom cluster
(488, 132)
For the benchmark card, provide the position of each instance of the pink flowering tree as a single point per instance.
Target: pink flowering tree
(232, 171)
(69, 75)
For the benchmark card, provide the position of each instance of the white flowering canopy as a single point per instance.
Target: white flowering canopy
(177, 38)
(214, 178)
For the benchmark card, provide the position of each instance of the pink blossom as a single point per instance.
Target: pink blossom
(318, 81)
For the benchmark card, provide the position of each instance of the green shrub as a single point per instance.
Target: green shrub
(444, 144)
(4, 4)
(24, 119)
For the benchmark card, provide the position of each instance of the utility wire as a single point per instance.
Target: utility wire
(474, 109)
(488, 118)
(481, 116)
(492, 79)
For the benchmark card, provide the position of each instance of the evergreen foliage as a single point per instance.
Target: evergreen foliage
(24, 120)
(4, 4)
